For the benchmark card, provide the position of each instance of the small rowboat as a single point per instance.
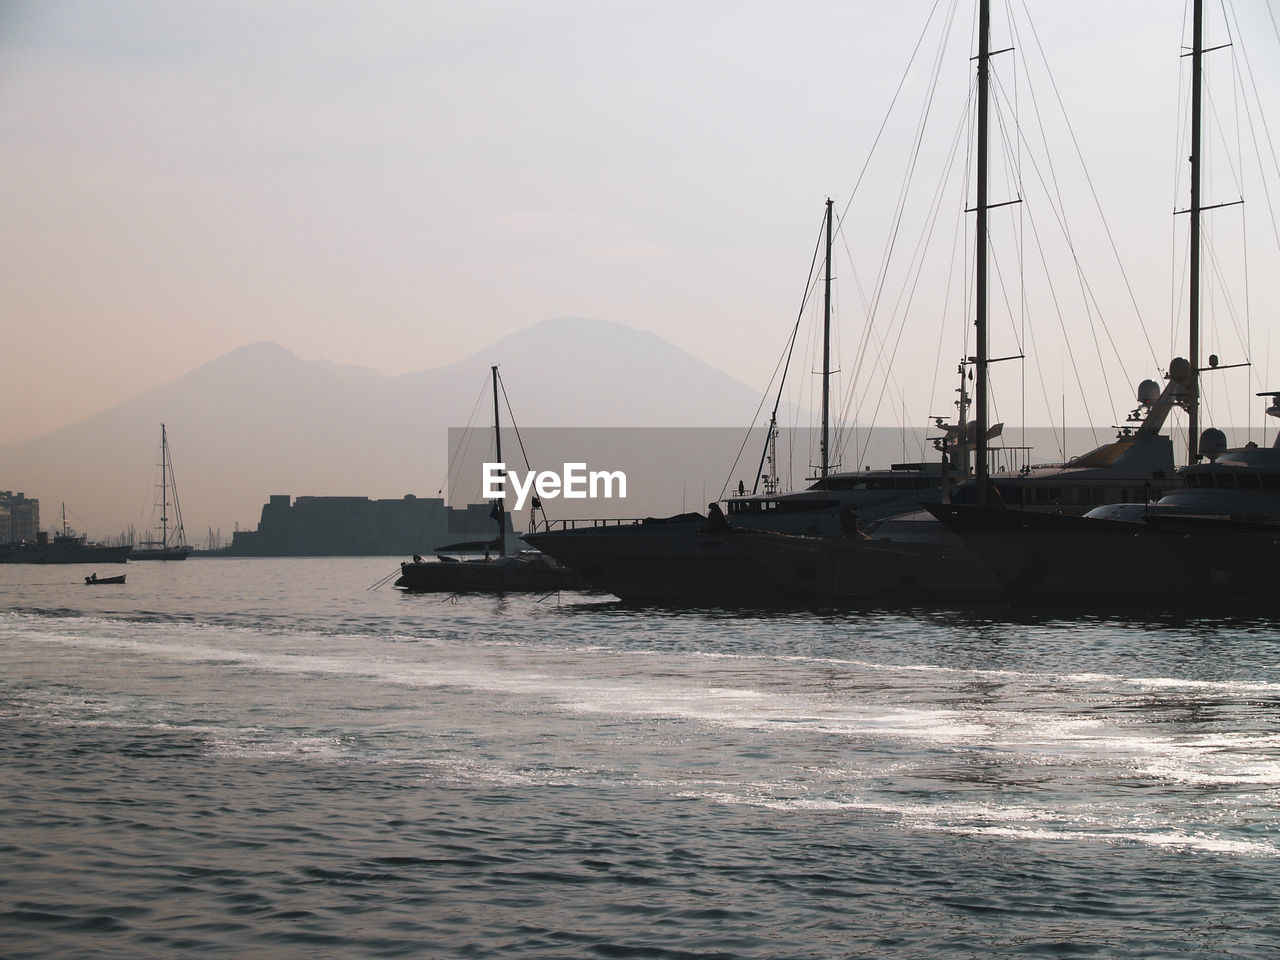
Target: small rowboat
(95, 579)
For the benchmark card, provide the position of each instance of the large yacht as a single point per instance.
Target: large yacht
(686, 558)
(910, 556)
(1216, 533)
(65, 547)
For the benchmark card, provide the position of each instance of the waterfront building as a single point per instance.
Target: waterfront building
(358, 526)
(19, 517)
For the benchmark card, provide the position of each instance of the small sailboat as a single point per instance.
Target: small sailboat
(165, 544)
(528, 571)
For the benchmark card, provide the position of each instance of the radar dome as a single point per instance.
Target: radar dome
(1148, 392)
(1213, 443)
(1180, 370)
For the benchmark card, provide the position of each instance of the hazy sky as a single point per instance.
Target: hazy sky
(398, 184)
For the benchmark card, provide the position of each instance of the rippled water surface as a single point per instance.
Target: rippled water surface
(231, 758)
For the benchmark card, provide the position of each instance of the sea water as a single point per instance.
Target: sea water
(240, 758)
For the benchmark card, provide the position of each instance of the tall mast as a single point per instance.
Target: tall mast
(826, 353)
(164, 489)
(497, 442)
(1193, 407)
(980, 253)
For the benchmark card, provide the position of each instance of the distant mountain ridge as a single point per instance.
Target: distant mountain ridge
(259, 421)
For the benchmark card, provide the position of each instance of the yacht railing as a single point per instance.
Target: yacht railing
(1008, 459)
(574, 524)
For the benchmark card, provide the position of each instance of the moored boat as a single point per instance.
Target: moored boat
(165, 544)
(522, 571)
(1213, 537)
(65, 547)
(686, 559)
(525, 571)
(894, 550)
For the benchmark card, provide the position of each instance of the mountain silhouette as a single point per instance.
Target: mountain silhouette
(259, 421)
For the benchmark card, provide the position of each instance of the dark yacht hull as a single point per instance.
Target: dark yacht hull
(1223, 557)
(503, 575)
(169, 553)
(672, 563)
(864, 570)
(50, 553)
(1083, 563)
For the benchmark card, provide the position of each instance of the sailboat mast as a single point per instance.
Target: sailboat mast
(497, 443)
(980, 253)
(164, 489)
(1193, 294)
(826, 353)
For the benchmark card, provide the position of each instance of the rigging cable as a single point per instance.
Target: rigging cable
(888, 113)
(1237, 39)
(1057, 206)
(783, 364)
(906, 296)
(536, 503)
(465, 439)
(1093, 191)
(869, 334)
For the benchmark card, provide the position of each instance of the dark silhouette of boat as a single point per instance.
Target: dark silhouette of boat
(165, 544)
(771, 549)
(525, 571)
(93, 579)
(65, 547)
(687, 559)
(1214, 538)
(528, 571)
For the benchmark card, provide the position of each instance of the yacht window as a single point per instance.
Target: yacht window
(803, 506)
(1227, 481)
(1271, 481)
(1192, 481)
(838, 483)
(1247, 481)
(1011, 494)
